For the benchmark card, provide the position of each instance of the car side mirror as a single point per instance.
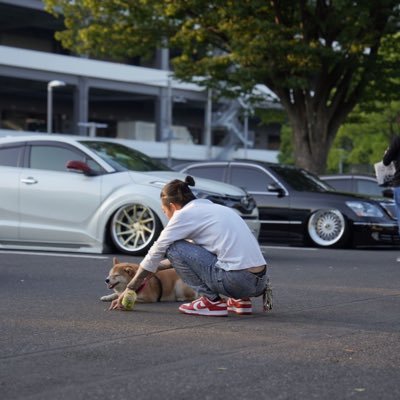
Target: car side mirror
(272, 187)
(80, 166)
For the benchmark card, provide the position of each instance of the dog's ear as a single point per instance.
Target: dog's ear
(115, 261)
(130, 271)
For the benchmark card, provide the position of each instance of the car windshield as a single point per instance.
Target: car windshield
(300, 179)
(124, 158)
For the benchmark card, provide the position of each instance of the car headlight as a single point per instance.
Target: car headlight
(244, 204)
(364, 209)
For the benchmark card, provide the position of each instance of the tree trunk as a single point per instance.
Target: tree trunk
(310, 150)
(313, 134)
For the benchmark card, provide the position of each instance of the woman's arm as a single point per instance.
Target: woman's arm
(139, 279)
(180, 226)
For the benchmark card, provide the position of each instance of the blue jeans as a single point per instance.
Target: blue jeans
(196, 266)
(396, 197)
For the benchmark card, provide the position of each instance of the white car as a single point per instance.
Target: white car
(74, 193)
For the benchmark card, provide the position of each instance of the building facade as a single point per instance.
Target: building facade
(134, 102)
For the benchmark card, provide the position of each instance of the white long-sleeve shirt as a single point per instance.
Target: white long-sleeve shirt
(217, 228)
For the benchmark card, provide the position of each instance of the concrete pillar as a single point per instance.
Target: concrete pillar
(162, 108)
(207, 140)
(81, 107)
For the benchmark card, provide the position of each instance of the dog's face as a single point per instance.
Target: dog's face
(120, 275)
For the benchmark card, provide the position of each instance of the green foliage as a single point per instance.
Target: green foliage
(362, 141)
(285, 155)
(109, 28)
(271, 116)
(238, 43)
(321, 58)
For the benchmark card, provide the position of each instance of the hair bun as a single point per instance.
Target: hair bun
(189, 181)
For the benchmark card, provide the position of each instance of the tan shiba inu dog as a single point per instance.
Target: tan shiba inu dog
(165, 285)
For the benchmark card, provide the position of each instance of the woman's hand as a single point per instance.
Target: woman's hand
(117, 303)
(135, 284)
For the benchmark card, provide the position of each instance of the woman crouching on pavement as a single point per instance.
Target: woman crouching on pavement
(212, 249)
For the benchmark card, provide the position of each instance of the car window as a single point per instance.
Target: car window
(342, 185)
(251, 178)
(9, 156)
(300, 179)
(215, 172)
(124, 158)
(52, 158)
(368, 187)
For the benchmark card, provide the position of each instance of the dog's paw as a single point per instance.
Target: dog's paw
(107, 298)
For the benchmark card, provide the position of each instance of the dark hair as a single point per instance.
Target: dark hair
(178, 192)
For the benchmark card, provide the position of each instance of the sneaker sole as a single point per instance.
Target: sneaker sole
(241, 311)
(206, 313)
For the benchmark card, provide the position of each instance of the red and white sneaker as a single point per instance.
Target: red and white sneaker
(204, 306)
(240, 306)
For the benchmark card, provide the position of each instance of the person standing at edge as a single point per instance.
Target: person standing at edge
(393, 154)
(212, 250)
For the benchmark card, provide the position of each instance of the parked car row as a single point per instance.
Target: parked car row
(297, 207)
(91, 195)
(74, 193)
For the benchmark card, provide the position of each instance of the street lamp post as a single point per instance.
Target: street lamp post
(169, 122)
(248, 110)
(50, 86)
(246, 131)
(208, 133)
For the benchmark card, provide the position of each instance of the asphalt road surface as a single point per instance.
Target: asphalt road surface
(333, 333)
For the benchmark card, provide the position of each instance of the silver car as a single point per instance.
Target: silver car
(71, 193)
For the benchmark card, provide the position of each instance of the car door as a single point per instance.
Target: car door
(57, 205)
(10, 158)
(273, 208)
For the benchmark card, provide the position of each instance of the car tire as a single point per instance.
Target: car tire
(134, 228)
(328, 228)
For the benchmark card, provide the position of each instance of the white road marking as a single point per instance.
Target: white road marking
(98, 257)
(288, 248)
(39, 253)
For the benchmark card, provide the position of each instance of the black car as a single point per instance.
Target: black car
(357, 183)
(296, 207)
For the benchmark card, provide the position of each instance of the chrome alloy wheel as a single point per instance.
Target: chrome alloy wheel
(327, 227)
(134, 228)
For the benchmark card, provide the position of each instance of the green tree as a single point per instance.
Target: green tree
(362, 140)
(286, 152)
(317, 56)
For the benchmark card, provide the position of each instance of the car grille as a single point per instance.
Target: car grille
(390, 208)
